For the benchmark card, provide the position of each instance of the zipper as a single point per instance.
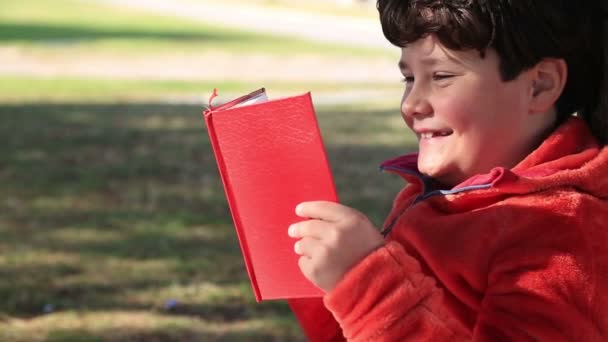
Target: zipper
(425, 195)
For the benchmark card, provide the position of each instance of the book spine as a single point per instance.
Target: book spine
(208, 114)
(311, 107)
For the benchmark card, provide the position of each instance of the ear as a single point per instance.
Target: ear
(548, 79)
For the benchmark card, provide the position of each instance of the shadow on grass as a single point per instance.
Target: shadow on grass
(10, 32)
(120, 207)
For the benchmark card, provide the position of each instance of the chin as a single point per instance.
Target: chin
(441, 175)
(432, 169)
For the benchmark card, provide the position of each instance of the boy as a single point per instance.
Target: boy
(502, 231)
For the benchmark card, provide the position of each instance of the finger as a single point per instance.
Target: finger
(323, 210)
(307, 246)
(305, 263)
(310, 228)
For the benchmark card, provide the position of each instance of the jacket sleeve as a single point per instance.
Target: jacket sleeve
(539, 288)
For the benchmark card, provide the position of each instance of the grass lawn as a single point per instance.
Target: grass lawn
(113, 221)
(112, 211)
(80, 26)
(324, 7)
(15, 89)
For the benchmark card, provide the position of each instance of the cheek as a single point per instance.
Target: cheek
(469, 107)
(457, 113)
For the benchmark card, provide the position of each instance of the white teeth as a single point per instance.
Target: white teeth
(431, 135)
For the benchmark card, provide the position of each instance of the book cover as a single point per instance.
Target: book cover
(270, 156)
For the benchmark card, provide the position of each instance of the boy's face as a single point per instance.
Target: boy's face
(466, 118)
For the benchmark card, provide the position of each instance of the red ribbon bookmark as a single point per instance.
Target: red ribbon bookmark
(213, 96)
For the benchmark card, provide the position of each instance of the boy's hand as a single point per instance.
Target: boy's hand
(333, 239)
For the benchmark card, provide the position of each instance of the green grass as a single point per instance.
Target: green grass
(109, 211)
(111, 205)
(17, 89)
(327, 7)
(83, 27)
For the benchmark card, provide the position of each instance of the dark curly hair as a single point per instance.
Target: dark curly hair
(522, 32)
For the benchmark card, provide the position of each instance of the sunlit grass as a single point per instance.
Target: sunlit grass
(357, 11)
(76, 27)
(141, 326)
(30, 89)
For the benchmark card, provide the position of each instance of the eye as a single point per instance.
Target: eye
(407, 79)
(441, 76)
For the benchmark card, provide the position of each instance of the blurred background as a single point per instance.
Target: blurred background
(113, 221)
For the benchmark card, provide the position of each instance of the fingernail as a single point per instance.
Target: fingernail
(291, 231)
(296, 247)
(298, 207)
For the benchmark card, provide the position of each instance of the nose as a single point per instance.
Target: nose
(415, 103)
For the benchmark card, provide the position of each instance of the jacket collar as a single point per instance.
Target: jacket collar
(569, 148)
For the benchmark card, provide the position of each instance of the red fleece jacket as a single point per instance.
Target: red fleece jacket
(518, 254)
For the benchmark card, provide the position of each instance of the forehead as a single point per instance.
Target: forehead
(429, 51)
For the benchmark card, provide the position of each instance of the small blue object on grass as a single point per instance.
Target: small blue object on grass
(48, 308)
(170, 304)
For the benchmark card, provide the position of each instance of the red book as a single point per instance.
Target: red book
(270, 157)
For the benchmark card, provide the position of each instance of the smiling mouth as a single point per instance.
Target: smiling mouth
(430, 135)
